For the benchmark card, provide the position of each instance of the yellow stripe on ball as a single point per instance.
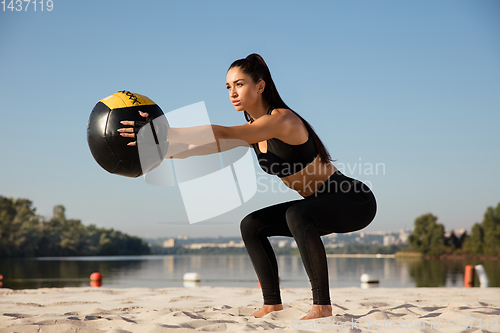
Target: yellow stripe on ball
(125, 99)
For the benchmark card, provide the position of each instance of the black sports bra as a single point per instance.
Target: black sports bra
(283, 159)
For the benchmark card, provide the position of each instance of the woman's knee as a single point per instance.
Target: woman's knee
(297, 218)
(248, 225)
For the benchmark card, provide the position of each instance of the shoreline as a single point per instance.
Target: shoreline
(346, 255)
(401, 254)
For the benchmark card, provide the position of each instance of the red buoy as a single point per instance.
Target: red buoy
(469, 276)
(96, 276)
(95, 283)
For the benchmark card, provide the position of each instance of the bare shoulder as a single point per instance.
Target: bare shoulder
(282, 112)
(282, 124)
(287, 116)
(293, 125)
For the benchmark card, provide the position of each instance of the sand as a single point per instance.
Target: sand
(216, 309)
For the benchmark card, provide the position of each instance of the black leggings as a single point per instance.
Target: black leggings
(341, 205)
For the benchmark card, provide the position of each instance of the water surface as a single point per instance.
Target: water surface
(230, 271)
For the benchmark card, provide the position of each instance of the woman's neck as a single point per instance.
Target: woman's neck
(258, 112)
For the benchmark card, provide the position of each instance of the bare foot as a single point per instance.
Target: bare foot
(318, 311)
(267, 309)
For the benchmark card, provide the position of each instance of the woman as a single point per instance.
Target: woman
(286, 146)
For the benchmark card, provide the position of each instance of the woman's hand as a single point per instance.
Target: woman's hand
(129, 132)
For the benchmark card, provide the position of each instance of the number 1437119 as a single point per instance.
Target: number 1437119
(27, 5)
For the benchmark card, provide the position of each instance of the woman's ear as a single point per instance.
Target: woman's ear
(261, 85)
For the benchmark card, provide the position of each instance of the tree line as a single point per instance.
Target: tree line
(23, 233)
(430, 239)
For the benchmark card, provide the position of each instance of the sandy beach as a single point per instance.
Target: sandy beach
(144, 310)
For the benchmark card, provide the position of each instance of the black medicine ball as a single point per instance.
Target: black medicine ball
(109, 148)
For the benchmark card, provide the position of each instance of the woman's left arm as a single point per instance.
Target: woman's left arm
(281, 124)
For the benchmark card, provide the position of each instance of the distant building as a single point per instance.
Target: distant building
(403, 236)
(213, 244)
(169, 242)
(234, 244)
(334, 245)
(389, 240)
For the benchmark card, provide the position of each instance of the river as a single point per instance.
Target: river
(231, 271)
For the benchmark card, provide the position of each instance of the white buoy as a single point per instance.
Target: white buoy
(484, 282)
(367, 278)
(191, 284)
(192, 279)
(365, 285)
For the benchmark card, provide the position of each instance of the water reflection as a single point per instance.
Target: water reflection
(231, 271)
(428, 273)
(445, 273)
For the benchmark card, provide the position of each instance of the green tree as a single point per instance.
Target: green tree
(475, 243)
(52, 233)
(491, 227)
(26, 229)
(7, 214)
(24, 233)
(485, 237)
(428, 236)
(455, 242)
(19, 228)
(71, 235)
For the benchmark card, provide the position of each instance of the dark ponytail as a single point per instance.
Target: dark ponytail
(255, 66)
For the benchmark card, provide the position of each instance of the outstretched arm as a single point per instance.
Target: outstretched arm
(210, 139)
(183, 150)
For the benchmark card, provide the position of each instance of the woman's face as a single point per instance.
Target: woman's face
(243, 92)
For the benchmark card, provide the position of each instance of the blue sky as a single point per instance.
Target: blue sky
(412, 85)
